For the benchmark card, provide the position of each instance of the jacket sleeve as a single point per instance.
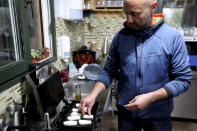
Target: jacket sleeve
(110, 66)
(179, 69)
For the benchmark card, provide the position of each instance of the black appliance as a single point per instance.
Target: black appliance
(47, 94)
(83, 56)
(57, 124)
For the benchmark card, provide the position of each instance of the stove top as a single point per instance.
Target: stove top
(57, 124)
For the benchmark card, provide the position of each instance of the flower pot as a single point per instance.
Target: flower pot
(33, 61)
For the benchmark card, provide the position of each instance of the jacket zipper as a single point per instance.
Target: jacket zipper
(140, 64)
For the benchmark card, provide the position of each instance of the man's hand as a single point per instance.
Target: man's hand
(89, 100)
(86, 102)
(140, 102)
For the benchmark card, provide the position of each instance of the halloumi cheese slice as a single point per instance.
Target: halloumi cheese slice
(88, 117)
(75, 109)
(75, 114)
(85, 122)
(70, 123)
(73, 118)
(77, 104)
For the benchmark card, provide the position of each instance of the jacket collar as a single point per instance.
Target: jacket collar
(158, 20)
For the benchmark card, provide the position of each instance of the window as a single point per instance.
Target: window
(180, 14)
(10, 48)
(40, 34)
(15, 34)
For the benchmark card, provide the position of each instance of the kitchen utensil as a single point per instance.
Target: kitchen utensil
(84, 56)
(47, 122)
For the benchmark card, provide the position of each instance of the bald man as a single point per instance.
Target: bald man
(152, 65)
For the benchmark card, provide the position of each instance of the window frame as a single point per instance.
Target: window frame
(14, 73)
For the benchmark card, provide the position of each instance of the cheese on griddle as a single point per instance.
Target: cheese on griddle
(73, 118)
(75, 109)
(88, 117)
(70, 123)
(75, 114)
(85, 122)
(77, 104)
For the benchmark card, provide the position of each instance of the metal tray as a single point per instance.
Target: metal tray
(92, 71)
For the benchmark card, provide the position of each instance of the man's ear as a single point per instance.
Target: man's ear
(153, 6)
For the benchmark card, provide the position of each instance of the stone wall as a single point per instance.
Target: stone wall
(16, 93)
(91, 29)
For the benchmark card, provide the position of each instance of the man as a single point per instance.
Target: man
(151, 62)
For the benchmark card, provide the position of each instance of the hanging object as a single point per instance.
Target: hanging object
(65, 47)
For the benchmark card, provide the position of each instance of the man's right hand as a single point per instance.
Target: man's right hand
(86, 102)
(89, 100)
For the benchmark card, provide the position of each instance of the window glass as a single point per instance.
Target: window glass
(10, 45)
(182, 15)
(40, 34)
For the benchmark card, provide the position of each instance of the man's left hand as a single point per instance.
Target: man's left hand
(139, 102)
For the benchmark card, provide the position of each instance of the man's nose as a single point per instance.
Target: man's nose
(129, 19)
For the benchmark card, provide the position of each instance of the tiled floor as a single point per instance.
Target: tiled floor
(184, 125)
(110, 123)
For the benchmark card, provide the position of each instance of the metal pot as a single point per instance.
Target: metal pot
(3, 124)
(14, 110)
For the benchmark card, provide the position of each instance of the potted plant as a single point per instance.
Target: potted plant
(36, 55)
(45, 52)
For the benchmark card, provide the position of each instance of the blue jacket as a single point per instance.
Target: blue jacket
(145, 61)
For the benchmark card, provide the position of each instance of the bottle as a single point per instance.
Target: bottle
(93, 46)
(77, 93)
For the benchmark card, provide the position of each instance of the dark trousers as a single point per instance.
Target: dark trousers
(163, 124)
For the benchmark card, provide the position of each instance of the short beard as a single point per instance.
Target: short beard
(147, 20)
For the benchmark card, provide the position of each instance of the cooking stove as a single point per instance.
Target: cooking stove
(57, 124)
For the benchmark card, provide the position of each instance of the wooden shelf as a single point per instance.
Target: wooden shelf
(110, 10)
(109, 7)
(87, 9)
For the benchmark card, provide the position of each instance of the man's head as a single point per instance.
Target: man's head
(139, 13)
